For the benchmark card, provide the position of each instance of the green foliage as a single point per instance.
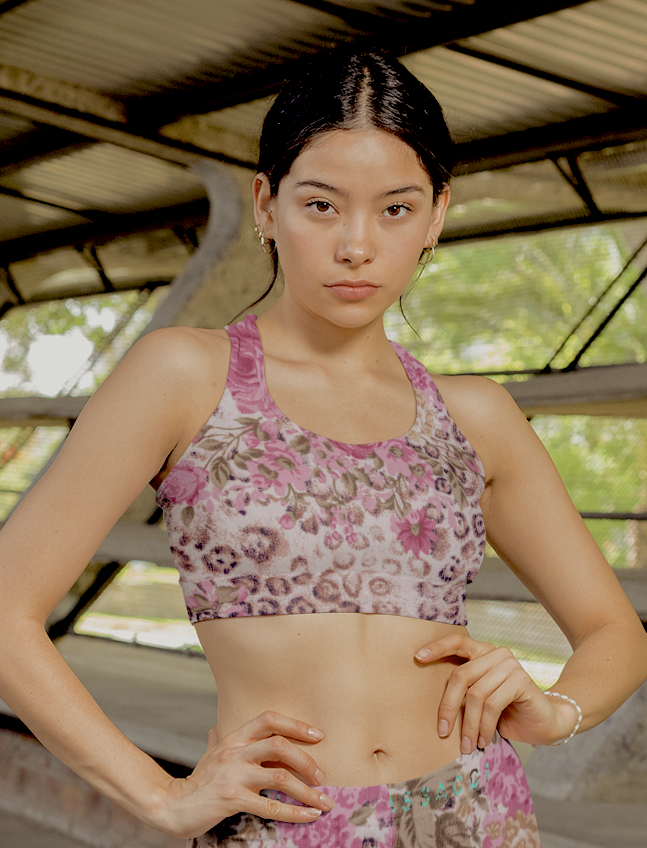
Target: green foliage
(95, 319)
(507, 305)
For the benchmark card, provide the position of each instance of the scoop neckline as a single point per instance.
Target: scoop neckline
(273, 408)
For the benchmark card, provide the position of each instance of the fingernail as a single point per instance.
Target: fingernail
(466, 745)
(443, 727)
(481, 742)
(319, 777)
(423, 654)
(316, 734)
(313, 811)
(328, 802)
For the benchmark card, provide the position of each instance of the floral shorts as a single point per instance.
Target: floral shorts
(481, 800)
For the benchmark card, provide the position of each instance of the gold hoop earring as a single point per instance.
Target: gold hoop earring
(264, 241)
(428, 254)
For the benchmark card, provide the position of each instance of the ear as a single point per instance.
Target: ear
(264, 206)
(438, 217)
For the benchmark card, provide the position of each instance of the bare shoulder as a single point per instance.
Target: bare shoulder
(182, 373)
(487, 415)
(182, 355)
(160, 394)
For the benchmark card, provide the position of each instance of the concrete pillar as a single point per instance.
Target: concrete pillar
(595, 787)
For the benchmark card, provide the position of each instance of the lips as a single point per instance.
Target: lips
(353, 289)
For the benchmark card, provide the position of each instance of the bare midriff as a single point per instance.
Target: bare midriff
(352, 675)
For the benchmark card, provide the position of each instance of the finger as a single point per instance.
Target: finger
(280, 750)
(483, 706)
(213, 737)
(453, 645)
(284, 781)
(270, 722)
(271, 808)
(465, 676)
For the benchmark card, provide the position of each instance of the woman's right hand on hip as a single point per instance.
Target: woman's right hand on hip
(229, 777)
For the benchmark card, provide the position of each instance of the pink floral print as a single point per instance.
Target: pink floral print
(188, 485)
(416, 532)
(481, 800)
(307, 524)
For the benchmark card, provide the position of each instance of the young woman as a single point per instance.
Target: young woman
(325, 520)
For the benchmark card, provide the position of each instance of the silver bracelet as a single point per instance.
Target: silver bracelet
(579, 717)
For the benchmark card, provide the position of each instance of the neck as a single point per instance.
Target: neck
(303, 335)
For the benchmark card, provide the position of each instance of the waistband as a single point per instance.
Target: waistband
(478, 795)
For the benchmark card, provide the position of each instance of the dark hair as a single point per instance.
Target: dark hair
(348, 90)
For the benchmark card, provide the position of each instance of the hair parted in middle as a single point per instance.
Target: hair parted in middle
(347, 89)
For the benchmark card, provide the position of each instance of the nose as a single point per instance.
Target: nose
(357, 244)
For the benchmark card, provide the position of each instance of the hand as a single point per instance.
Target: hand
(228, 778)
(496, 693)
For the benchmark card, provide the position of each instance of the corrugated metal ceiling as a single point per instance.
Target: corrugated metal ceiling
(22, 217)
(177, 55)
(107, 178)
(603, 43)
(127, 47)
(481, 100)
(487, 200)
(12, 127)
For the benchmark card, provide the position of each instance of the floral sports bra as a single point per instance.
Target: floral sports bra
(266, 518)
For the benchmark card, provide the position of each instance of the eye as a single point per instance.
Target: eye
(397, 210)
(320, 205)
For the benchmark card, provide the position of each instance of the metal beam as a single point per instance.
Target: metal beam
(8, 5)
(593, 304)
(615, 390)
(604, 386)
(575, 179)
(111, 227)
(18, 195)
(110, 132)
(41, 143)
(195, 213)
(592, 132)
(386, 29)
(495, 581)
(574, 363)
(39, 411)
(102, 580)
(614, 97)
(44, 89)
(514, 228)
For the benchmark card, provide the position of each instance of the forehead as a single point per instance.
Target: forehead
(357, 156)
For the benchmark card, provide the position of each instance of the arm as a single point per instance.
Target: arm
(121, 441)
(533, 525)
(118, 444)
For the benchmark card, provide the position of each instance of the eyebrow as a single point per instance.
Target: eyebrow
(403, 190)
(323, 186)
(326, 187)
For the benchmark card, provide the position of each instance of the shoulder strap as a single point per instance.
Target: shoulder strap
(419, 376)
(246, 360)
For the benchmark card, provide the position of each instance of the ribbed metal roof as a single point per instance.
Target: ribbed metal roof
(12, 127)
(532, 84)
(617, 177)
(480, 99)
(20, 217)
(107, 178)
(135, 47)
(234, 131)
(127, 262)
(489, 200)
(602, 43)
